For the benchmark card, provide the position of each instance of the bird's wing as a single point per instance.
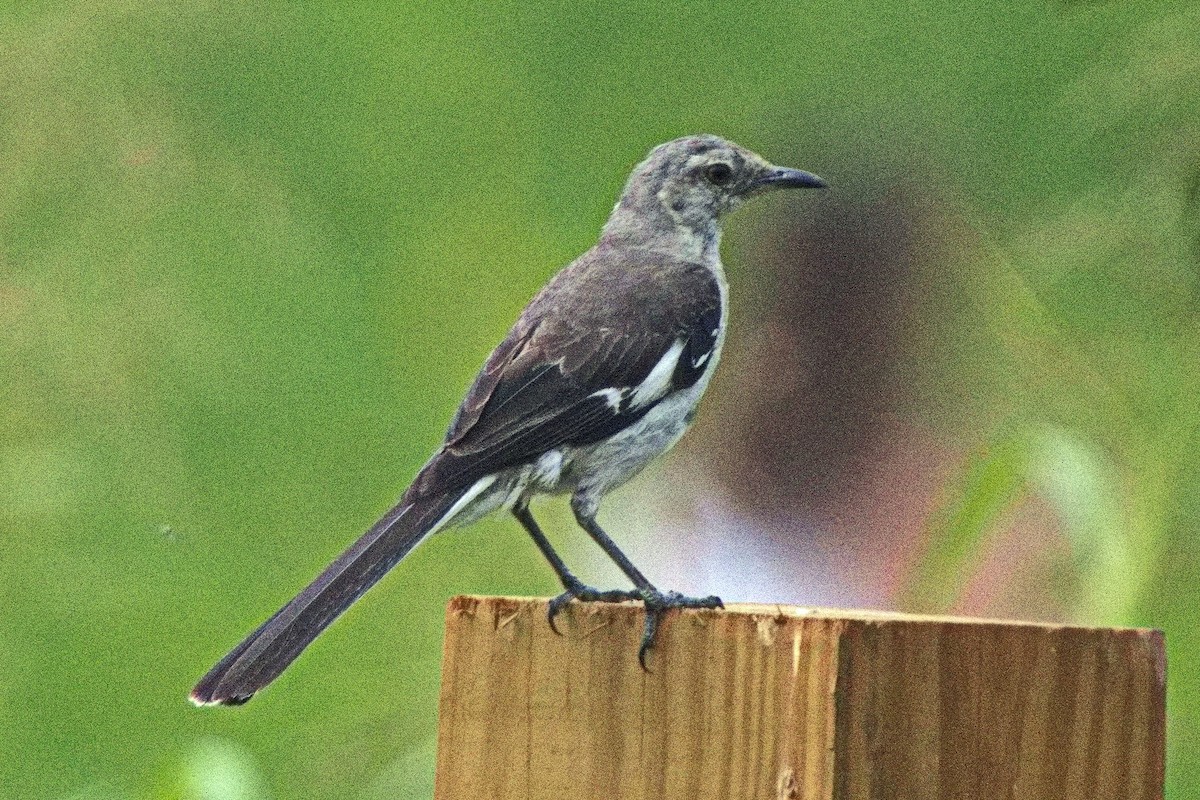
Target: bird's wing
(567, 380)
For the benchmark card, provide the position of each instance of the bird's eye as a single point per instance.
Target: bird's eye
(720, 174)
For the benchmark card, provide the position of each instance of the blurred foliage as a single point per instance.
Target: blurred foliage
(1078, 331)
(237, 242)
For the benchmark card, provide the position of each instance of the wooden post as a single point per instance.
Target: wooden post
(784, 703)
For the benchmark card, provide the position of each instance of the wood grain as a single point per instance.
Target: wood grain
(784, 703)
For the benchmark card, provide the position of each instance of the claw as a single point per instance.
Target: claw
(649, 628)
(656, 603)
(556, 605)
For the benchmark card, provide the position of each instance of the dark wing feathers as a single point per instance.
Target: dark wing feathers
(538, 389)
(483, 388)
(698, 348)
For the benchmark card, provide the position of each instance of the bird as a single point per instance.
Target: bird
(601, 373)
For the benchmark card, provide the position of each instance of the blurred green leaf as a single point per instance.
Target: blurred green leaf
(992, 482)
(218, 769)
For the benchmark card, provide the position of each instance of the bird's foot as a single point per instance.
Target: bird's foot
(656, 603)
(580, 591)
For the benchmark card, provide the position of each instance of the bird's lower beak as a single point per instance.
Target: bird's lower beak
(785, 178)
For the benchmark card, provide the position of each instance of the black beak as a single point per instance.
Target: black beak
(784, 178)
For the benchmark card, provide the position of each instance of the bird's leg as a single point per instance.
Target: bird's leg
(655, 601)
(573, 587)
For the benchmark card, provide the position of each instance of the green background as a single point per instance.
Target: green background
(251, 257)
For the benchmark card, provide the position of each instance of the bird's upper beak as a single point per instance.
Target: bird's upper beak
(786, 178)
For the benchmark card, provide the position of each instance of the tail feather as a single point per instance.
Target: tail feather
(265, 653)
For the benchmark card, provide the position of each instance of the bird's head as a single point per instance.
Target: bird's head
(690, 182)
(699, 178)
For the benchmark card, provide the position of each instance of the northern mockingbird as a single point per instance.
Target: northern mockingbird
(600, 374)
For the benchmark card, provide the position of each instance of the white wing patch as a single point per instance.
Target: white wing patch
(699, 362)
(612, 397)
(658, 381)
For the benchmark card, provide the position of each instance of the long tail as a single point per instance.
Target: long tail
(267, 652)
